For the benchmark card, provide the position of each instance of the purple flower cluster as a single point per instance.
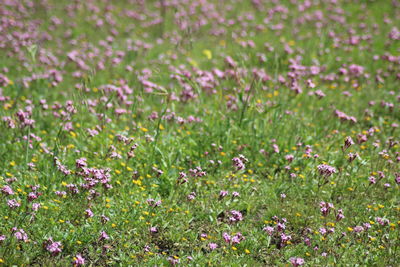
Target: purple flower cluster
(326, 170)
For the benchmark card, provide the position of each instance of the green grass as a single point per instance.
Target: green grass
(270, 110)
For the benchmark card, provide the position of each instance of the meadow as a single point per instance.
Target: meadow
(199, 133)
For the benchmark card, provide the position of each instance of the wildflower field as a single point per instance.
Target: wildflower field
(199, 132)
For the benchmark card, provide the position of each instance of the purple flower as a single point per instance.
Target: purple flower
(236, 216)
(344, 117)
(275, 147)
(146, 248)
(325, 207)
(20, 234)
(173, 260)
(285, 238)
(182, 178)
(103, 236)
(226, 237)
(223, 193)
(12, 203)
(53, 247)
(7, 190)
(296, 261)
(289, 157)
(236, 239)
(104, 219)
(238, 163)
(348, 142)
(356, 70)
(269, 230)
(89, 213)
(191, 196)
(382, 221)
(78, 260)
(212, 246)
(32, 196)
(280, 226)
(35, 206)
(320, 94)
(358, 229)
(352, 156)
(366, 226)
(397, 179)
(80, 163)
(73, 188)
(326, 170)
(339, 215)
(372, 180)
